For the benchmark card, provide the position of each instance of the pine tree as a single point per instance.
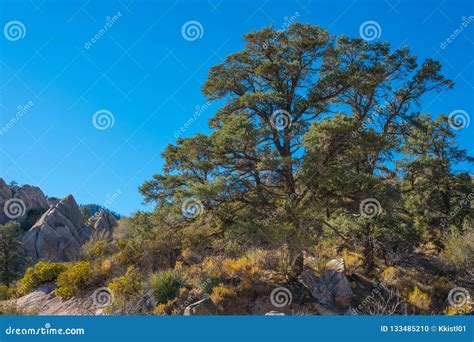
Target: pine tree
(12, 255)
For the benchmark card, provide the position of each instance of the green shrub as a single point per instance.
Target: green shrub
(98, 249)
(6, 292)
(165, 285)
(127, 287)
(77, 277)
(209, 283)
(42, 273)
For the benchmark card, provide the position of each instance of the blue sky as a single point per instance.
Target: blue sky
(149, 78)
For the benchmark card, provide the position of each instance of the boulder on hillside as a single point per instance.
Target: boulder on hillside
(59, 234)
(332, 290)
(103, 221)
(337, 283)
(21, 203)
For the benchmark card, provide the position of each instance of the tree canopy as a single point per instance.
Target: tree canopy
(316, 129)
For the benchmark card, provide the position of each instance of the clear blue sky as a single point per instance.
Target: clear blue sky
(149, 77)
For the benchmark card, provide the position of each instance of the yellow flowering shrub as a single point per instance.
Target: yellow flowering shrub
(389, 274)
(42, 273)
(127, 287)
(221, 293)
(419, 298)
(74, 279)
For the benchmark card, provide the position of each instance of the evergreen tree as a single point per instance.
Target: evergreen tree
(279, 164)
(12, 255)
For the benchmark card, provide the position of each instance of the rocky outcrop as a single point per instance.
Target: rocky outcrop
(42, 301)
(337, 283)
(59, 233)
(332, 290)
(21, 203)
(52, 201)
(103, 221)
(203, 307)
(5, 192)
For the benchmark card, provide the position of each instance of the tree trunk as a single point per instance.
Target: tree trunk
(369, 250)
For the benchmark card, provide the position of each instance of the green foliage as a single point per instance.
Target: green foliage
(153, 243)
(127, 287)
(432, 190)
(12, 255)
(6, 292)
(76, 278)
(209, 283)
(98, 248)
(42, 273)
(89, 210)
(165, 285)
(263, 182)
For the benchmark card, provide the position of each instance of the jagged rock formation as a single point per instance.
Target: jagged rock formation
(52, 201)
(102, 222)
(21, 203)
(59, 233)
(56, 227)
